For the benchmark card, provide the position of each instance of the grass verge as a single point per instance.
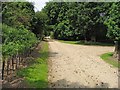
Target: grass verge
(107, 57)
(87, 43)
(36, 74)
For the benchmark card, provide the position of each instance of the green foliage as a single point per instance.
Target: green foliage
(77, 20)
(36, 75)
(21, 15)
(113, 22)
(52, 9)
(18, 14)
(18, 19)
(16, 41)
(40, 26)
(62, 30)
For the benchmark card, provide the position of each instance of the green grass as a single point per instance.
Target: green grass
(86, 43)
(69, 42)
(0, 48)
(36, 75)
(0, 52)
(107, 57)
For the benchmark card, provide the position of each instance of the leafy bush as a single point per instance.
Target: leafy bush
(16, 41)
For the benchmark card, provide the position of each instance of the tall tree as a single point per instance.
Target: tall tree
(40, 21)
(18, 14)
(113, 24)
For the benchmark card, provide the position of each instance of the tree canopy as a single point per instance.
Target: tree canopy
(113, 22)
(18, 14)
(78, 20)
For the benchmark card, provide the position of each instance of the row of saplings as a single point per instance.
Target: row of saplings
(15, 62)
(16, 49)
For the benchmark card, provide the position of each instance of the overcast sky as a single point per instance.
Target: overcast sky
(39, 4)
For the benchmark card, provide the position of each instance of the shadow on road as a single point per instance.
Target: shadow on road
(52, 54)
(66, 84)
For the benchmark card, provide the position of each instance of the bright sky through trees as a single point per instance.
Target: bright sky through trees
(39, 4)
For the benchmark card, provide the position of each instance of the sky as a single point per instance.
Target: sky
(39, 4)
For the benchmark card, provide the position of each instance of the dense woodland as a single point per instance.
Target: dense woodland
(88, 21)
(23, 28)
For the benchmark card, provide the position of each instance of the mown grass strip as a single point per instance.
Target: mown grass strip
(36, 75)
(107, 57)
(87, 43)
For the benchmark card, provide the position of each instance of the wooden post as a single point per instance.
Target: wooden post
(7, 66)
(119, 51)
(16, 61)
(3, 67)
(11, 65)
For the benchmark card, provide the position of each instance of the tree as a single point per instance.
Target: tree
(113, 24)
(81, 20)
(91, 20)
(18, 14)
(40, 26)
(16, 41)
(52, 10)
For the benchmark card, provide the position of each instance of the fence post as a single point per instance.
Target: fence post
(3, 66)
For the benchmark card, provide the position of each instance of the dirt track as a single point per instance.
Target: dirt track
(79, 66)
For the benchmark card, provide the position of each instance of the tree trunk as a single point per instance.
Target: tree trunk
(3, 67)
(85, 38)
(117, 50)
(16, 61)
(93, 39)
(12, 63)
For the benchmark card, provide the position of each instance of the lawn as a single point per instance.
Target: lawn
(36, 75)
(0, 48)
(86, 43)
(107, 57)
(0, 52)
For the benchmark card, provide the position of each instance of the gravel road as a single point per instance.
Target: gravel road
(80, 66)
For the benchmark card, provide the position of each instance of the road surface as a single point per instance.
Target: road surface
(80, 66)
